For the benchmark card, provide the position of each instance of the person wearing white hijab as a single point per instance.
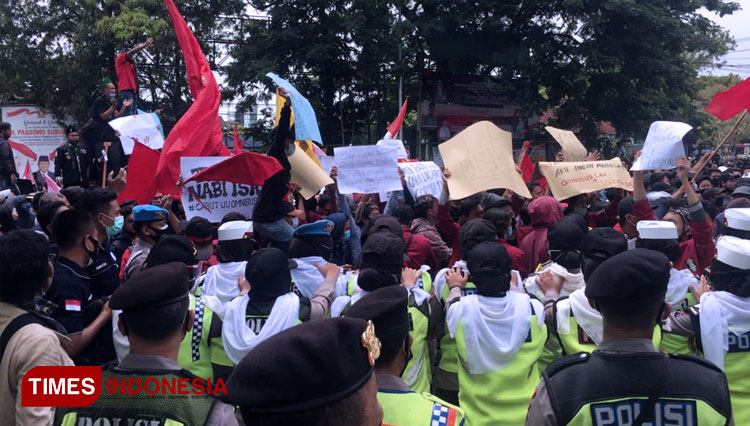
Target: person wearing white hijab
(234, 249)
(500, 335)
(720, 324)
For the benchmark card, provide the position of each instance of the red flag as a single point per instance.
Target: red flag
(247, 168)
(141, 186)
(396, 125)
(27, 172)
(198, 132)
(730, 102)
(527, 168)
(51, 184)
(237, 142)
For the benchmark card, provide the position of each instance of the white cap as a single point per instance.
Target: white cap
(4, 195)
(657, 195)
(723, 168)
(733, 251)
(235, 230)
(657, 230)
(738, 218)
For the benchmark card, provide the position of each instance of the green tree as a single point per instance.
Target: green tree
(709, 128)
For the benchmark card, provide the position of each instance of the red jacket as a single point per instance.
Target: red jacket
(517, 258)
(696, 253)
(419, 251)
(449, 230)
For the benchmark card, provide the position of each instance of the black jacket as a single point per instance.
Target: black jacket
(7, 162)
(270, 202)
(71, 162)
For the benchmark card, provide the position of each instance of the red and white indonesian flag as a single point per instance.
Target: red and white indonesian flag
(51, 185)
(72, 305)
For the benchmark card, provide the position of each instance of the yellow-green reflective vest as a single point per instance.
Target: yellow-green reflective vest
(418, 372)
(424, 282)
(736, 363)
(448, 356)
(674, 343)
(695, 393)
(501, 397)
(417, 409)
(198, 349)
(141, 408)
(576, 340)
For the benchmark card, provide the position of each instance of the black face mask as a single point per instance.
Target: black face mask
(716, 182)
(159, 233)
(95, 252)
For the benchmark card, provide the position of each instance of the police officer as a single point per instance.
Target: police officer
(718, 326)
(573, 321)
(150, 224)
(388, 309)
(472, 233)
(315, 374)
(71, 161)
(382, 261)
(662, 236)
(236, 244)
(312, 244)
(738, 223)
(626, 380)
(201, 351)
(271, 306)
(499, 334)
(155, 318)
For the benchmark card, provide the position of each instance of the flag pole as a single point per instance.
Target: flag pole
(726, 138)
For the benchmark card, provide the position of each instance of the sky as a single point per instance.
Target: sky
(738, 25)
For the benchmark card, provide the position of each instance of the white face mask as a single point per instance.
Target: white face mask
(295, 222)
(631, 243)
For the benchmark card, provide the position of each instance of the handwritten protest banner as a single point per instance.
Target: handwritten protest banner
(568, 179)
(305, 123)
(220, 197)
(481, 158)
(367, 169)
(308, 175)
(572, 148)
(140, 128)
(327, 162)
(663, 146)
(395, 143)
(423, 178)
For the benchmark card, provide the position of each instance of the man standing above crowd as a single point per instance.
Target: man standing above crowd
(97, 130)
(7, 161)
(126, 73)
(71, 160)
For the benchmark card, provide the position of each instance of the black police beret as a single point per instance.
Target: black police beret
(153, 287)
(383, 249)
(489, 265)
(477, 231)
(305, 367)
(603, 243)
(631, 276)
(566, 234)
(174, 248)
(388, 309)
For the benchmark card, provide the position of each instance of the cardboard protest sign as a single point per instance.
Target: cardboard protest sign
(308, 175)
(367, 169)
(568, 179)
(220, 197)
(395, 143)
(663, 146)
(572, 148)
(305, 123)
(481, 158)
(141, 128)
(423, 178)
